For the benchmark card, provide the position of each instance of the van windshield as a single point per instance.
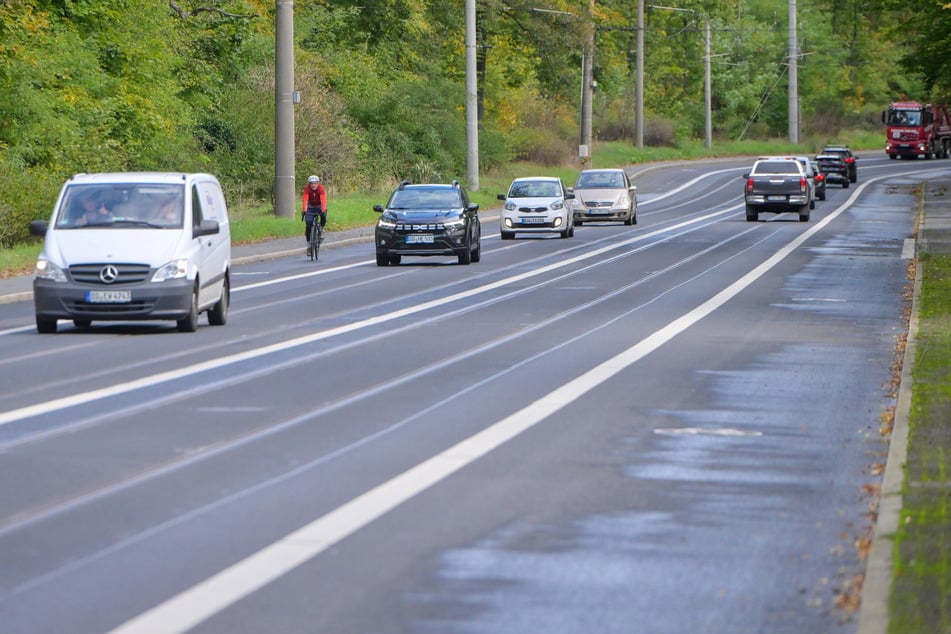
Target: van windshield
(121, 205)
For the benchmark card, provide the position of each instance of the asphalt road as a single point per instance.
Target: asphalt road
(665, 428)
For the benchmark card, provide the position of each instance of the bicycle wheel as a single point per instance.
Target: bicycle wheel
(316, 237)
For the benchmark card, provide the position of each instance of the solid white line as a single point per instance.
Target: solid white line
(53, 405)
(200, 602)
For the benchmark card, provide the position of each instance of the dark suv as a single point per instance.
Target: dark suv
(843, 152)
(428, 219)
(834, 169)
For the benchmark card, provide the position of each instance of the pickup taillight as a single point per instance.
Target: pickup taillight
(802, 185)
(749, 185)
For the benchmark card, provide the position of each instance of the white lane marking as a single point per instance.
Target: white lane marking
(53, 405)
(700, 431)
(202, 601)
(908, 249)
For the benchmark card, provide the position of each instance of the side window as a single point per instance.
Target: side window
(212, 201)
(197, 213)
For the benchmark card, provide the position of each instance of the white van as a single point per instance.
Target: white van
(134, 246)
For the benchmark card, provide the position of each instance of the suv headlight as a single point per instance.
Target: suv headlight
(174, 270)
(46, 270)
(383, 223)
(456, 224)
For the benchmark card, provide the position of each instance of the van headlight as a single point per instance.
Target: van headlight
(46, 270)
(176, 269)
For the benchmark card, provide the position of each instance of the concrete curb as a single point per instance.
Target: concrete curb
(876, 588)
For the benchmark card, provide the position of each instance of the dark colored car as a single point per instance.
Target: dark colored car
(427, 220)
(834, 169)
(843, 152)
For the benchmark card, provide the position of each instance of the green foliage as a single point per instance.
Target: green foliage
(95, 85)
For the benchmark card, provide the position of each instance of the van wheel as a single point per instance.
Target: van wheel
(45, 326)
(190, 322)
(218, 315)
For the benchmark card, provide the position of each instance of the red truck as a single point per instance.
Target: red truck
(917, 129)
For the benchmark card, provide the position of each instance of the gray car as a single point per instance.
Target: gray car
(604, 195)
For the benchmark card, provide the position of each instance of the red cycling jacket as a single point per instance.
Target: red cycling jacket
(316, 197)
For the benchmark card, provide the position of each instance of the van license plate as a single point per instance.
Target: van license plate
(418, 238)
(108, 297)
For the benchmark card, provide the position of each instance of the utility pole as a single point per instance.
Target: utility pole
(587, 86)
(793, 61)
(284, 190)
(639, 82)
(472, 100)
(707, 101)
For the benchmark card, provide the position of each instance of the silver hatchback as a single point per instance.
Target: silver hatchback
(604, 195)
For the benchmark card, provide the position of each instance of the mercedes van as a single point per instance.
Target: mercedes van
(134, 246)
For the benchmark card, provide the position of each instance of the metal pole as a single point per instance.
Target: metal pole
(587, 84)
(639, 84)
(708, 118)
(284, 190)
(793, 60)
(472, 99)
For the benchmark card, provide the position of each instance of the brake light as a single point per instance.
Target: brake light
(850, 160)
(820, 177)
(802, 185)
(749, 185)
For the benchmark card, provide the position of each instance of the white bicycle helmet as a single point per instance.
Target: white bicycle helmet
(313, 179)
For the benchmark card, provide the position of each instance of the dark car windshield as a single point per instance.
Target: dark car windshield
(138, 204)
(426, 198)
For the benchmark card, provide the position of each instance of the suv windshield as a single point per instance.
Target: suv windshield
(425, 198)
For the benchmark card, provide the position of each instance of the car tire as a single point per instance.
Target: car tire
(45, 326)
(812, 204)
(751, 214)
(565, 234)
(382, 259)
(845, 184)
(579, 223)
(218, 314)
(477, 252)
(507, 235)
(189, 323)
(465, 257)
(804, 217)
(82, 322)
(394, 260)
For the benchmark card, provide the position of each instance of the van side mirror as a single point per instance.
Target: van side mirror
(38, 228)
(206, 228)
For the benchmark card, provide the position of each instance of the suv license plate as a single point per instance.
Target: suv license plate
(108, 297)
(424, 238)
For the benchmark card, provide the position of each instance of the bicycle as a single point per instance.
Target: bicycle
(316, 239)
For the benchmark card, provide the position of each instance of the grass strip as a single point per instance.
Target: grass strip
(921, 588)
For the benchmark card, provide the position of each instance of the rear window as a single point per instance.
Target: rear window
(776, 167)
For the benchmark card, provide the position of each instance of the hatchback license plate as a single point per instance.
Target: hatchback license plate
(533, 220)
(424, 238)
(108, 297)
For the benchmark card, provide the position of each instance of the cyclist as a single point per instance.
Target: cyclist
(313, 206)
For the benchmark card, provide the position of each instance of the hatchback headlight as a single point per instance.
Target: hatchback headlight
(174, 270)
(558, 204)
(46, 270)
